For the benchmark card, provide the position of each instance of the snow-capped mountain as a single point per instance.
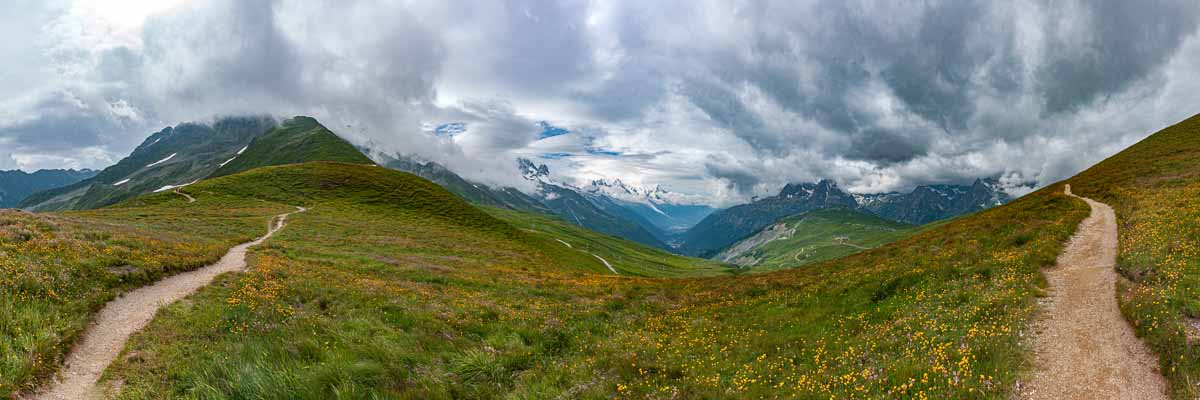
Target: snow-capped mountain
(590, 210)
(665, 209)
(621, 191)
(533, 172)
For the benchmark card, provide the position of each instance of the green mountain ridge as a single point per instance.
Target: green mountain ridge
(171, 157)
(185, 154)
(297, 140)
(811, 237)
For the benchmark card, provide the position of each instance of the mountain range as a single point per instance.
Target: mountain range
(922, 205)
(928, 203)
(655, 205)
(16, 185)
(178, 156)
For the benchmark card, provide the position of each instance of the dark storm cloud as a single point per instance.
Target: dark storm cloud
(741, 178)
(1121, 43)
(728, 98)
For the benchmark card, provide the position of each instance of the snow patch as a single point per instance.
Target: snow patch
(227, 161)
(162, 160)
(121, 182)
(169, 187)
(243, 150)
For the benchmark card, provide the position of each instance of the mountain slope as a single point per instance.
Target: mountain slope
(16, 185)
(472, 192)
(813, 236)
(924, 204)
(297, 140)
(597, 215)
(589, 210)
(174, 156)
(627, 257)
(724, 227)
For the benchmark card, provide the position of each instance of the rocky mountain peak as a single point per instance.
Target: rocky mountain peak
(533, 171)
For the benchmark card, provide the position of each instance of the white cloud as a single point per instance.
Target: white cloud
(715, 98)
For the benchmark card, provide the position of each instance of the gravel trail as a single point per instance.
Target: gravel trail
(1083, 347)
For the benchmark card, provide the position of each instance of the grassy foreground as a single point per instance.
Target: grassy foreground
(1154, 187)
(58, 269)
(375, 293)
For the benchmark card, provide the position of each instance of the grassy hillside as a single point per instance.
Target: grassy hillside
(58, 269)
(375, 294)
(388, 286)
(1154, 187)
(297, 140)
(627, 257)
(812, 237)
(727, 226)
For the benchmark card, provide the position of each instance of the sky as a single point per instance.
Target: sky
(719, 100)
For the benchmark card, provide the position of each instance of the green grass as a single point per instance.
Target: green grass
(813, 237)
(387, 287)
(1154, 187)
(391, 288)
(627, 257)
(297, 140)
(58, 269)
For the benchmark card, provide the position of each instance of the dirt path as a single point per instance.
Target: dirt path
(190, 199)
(606, 264)
(127, 314)
(854, 245)
(1083, 348)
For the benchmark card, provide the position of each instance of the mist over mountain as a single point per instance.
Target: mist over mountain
(922, 205)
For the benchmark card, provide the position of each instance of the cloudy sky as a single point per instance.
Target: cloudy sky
(718, 99)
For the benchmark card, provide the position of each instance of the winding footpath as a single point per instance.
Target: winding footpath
(1083, 347)
(125, 315)
(606, 264)
(189, 198)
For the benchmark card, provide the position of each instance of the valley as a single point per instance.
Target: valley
(390, 286)
(811, 237)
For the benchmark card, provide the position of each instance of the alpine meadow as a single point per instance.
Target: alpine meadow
(600, 200)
